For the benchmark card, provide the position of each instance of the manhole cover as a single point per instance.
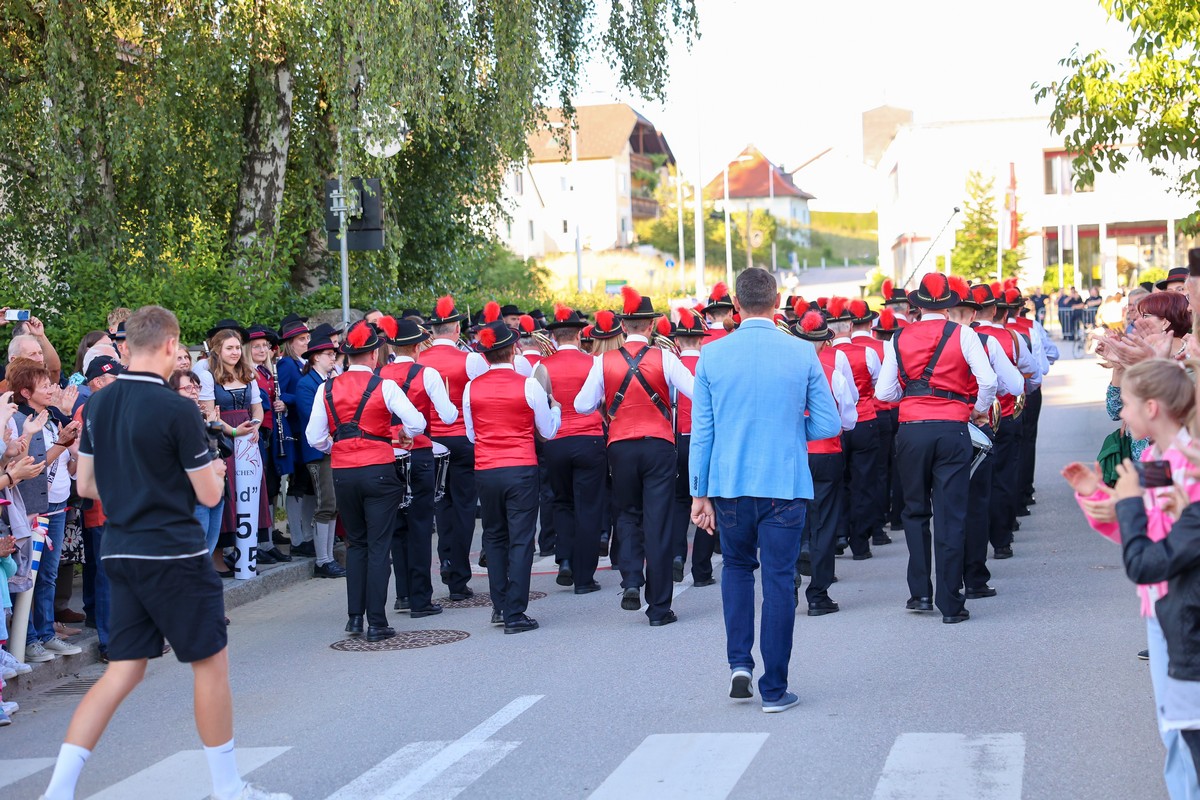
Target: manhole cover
(479, 600)
(403, 640)
(79, 686)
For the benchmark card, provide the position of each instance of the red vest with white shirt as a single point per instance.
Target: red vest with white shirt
(451, 364)
(637, 417)
(534, 357)
(713, 335)
(914, 348)
(417, 395)
(683, 406)
(856, 354)
(877, 346)
(834, 443)
(502, 420)
(376, 420)
(1004, 338)
(568, 370)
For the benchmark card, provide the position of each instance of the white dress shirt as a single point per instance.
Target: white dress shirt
(847, 405)
(591, 395)
(873, 364)
(545, 418)
(888, 387)
(477, 365)
(1025, 363)
(841, 365)
(435, 387)
(321, 438)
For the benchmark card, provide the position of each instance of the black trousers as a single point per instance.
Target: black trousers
(861, 497)
(1005, 463)
(1031, 415)
(412, 542)
(508, 498)
(937, 463)
(547, 530)
(643, 474)
(891, 495)
(367, 500)
(821, 527)
(577, 468)
(456, 514)
(681, 518)
(975, 571)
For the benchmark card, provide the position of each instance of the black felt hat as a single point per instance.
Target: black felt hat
(444, 312)
(261, 332)
(496, 336)
(363, 337)
(227, 324)
(319, 342)
(933, 293)
(292, 325)
(565, 317)
(1175, 275)
(510, 311)
(812, 327)
(608, 325)
(719, 299)
(406, 333)
(636, 306)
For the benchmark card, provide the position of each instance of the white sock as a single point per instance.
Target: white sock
(308, 509)
(323, 541)
(227, 782)
(294, 513)
(71, 759)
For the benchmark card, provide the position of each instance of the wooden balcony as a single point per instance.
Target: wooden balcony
(644, 207)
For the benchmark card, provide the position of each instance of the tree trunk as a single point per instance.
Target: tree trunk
(266, 131)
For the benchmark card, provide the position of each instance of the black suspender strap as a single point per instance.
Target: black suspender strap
(413, 371)
(352, 429)
(634, 364)
(920, 387)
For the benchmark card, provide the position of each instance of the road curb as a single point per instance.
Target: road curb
(237, 593)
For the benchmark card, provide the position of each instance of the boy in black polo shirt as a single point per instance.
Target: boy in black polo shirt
(149, 469)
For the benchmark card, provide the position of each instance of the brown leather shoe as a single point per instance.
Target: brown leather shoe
(65, 631)
(68, 615)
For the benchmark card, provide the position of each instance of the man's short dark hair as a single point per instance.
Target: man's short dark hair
(149, 328)
(501, 356)
(756, 291)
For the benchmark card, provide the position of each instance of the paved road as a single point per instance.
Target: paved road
(1039, 695)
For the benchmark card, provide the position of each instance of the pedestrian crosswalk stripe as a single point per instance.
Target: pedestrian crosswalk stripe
(183, 776)
(695, 766)
(18, 769)
(405, 773)
(952, 766)
(469, 769)
(687, 582)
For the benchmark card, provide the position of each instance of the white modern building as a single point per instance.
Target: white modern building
(756, 183)
(522, 230)
(1101, 235)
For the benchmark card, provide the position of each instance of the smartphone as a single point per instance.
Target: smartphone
(255, 422)
(1153, 474)
(17, 314)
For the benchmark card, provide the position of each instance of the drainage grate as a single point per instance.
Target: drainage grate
(479, 600)
(403, 640)
(79, 686)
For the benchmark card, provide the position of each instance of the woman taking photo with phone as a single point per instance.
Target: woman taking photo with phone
(1159, 398)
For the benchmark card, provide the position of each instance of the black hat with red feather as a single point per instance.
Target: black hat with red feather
(812, 327)
(495, 336)
(565, 317)
(892, 293)
(444, 312)
(860, 312)
(838, 310)
(719, 299)
(691, 324)
(363, 337)
(959, 286)
(887, 322)
(933, 293)
(608, 325)
(636, 306)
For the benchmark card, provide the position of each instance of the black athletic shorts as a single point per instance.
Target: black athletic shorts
(177, 599)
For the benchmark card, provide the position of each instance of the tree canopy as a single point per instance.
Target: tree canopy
(975, 243)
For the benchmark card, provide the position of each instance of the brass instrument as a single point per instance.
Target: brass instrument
(280, 451)
(994, 414)
(544, 343)
(1019, 406)
(665, 343)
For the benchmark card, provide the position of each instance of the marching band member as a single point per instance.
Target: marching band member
(896, 299)
(503, 412)
(719, 309)
(455, 514)
(412, 543)
(352, 420)
(825, 462)
(493, 312)
(575, 459)
(532, 355)
(690, 334)
(928, 367)
(608, 334)
(892, 500)
(634, 383)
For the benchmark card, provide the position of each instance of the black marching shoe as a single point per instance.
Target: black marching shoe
(566, 576)
(862, 556)
(631, 599)
(1144, 655)
(427, 611)
(880, 538)
(604, 545)
(497, 618)
(980, 593)
(961, 616)
(264, 557)
(331, 569)
(1002, 552)
(379, 634)
(919, 604)
(402, 604)
(588, 588)
(822, 608)
(677, 569)
(276, 554)
(700, 583)
(897, 526)
(520, 625)
(665, 619)
(355, 626)
(465, 593)
(279, 537)
(804, 567)
(717, 543)
(840, 545)
(483, 560)
(304, 550)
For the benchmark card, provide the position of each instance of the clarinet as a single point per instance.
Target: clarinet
(279, 437)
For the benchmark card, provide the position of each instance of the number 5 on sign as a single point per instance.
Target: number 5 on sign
(247, 480)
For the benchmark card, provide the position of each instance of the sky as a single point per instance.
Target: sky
(794, 76)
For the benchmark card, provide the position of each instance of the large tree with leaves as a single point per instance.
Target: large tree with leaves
(1141, 105)
(182, 145)
(975, 243)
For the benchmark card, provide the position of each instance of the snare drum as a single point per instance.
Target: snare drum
(981, 445)
(404, 473)
(441, 468)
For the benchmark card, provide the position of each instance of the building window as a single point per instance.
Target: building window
(894, 180)
(562, 183)
(531, 230)
(565, 228)
(518, 183)
(624, 183)
(1060, 174)
(509, 236)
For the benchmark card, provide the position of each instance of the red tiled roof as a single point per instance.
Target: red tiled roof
(603, 132)
(752, 178)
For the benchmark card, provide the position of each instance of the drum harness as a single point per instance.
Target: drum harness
(634, 363)
(920, 387)
(352, 429)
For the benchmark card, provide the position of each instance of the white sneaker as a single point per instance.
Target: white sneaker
(9, 662)
(7, 674)
(252, 792)
(57, 645)
(10, 707)
(36, 653)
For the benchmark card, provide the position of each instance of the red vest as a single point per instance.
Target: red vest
(451, 364)
(877, 346)
(376, 420)
(915, 346)
(637, 417)
(834, 443)
(683, 406)
(503, 421)
(533, 358)
(1022, 324)
(568, 369)
(1004, 338)
(265, 384)
(416, 393)
(713, 335)
(856, 354)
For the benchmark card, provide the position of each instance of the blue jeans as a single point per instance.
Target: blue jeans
(41, 623)
(97, 596)
(766, 528)
(1179, 771)
(210, 520)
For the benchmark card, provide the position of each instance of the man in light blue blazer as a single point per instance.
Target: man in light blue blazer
(760, 397)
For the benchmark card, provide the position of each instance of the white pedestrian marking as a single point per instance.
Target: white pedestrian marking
(18, 769)
(686, 583)
(675, 766)
(453, 781)
(952, 766)
(404, 774)
(184, 776)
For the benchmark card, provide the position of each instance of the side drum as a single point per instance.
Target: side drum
(404, 473)
(441, 468)
(981, 445)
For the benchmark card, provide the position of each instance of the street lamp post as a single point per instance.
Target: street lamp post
(728, 240)
(771, 205)
(679, 207)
